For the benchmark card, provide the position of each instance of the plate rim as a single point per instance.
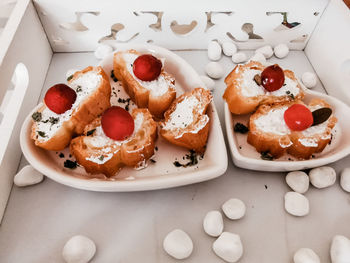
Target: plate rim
(215, 169)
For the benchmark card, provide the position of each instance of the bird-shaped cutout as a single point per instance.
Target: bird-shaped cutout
(182, 29)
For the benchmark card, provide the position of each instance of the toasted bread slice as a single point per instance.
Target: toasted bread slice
(99, 154)
(268, 132)
(53, 131)
(186, 123)
(156, 95)
(243, 95)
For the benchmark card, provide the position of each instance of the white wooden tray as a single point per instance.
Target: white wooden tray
(130, 227)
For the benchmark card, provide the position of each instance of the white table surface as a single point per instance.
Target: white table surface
(130, 227)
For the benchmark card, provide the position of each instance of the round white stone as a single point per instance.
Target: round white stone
(27, 176)
(178, 244)
(345, 179)
(214, 70)
(214, 50)
(79, 249)
(281, 50)
(298, 181)
(266, 51)
(213, 223)
(340, 249)
(296, 204)
(228, 247)
(309, 80)
(229, 48)
(70, 72)
(322, 177)
(306, 255)
(102, 51)
(239, 57)
(234, 208)
(209, 83)
(258, 57)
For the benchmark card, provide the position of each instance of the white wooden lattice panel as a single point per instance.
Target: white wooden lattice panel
(72, 26)
(25, 55)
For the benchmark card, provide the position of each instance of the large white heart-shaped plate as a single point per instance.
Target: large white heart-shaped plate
(161, 174)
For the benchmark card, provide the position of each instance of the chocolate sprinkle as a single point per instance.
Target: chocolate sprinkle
(241, 128)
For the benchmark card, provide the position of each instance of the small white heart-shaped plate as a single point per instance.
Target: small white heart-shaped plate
(245, 156)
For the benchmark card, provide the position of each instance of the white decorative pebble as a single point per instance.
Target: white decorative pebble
(296, 204)
(266, 51)
(298, 181)
(102, 51)
(178, 244)
(213, 223)
(309, 80)
(70, 72)
(340, 249)
(234, 208)
(228, 247)
(27, 176)
(322, 177)
(229, 48)
(258, 57)
(281, 50)
(79, 249)
(345, 179)
(239, 57)
(306, 255)
(209, 83)
(214, 70)
(214, 50)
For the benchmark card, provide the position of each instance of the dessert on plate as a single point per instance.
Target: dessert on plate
(293, 127)
(145, 81)
(69, 108)
(115, 140)
(254, 84)
(186, 123)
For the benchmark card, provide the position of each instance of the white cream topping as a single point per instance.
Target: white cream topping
(84, 85)
(273, 122)
(182, 116)
(249, 88)
(158, 87)
(308, 142)
(100, 140)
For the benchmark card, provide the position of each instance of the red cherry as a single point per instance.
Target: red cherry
(272, 78)
(60, 98)
(117, 123)
(147, 67)
(298, 117)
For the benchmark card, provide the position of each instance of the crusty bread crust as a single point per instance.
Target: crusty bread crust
(194, 136)
(238, 103)
(88, 110)
(143, 97)
(273, 143)
(133, 152)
